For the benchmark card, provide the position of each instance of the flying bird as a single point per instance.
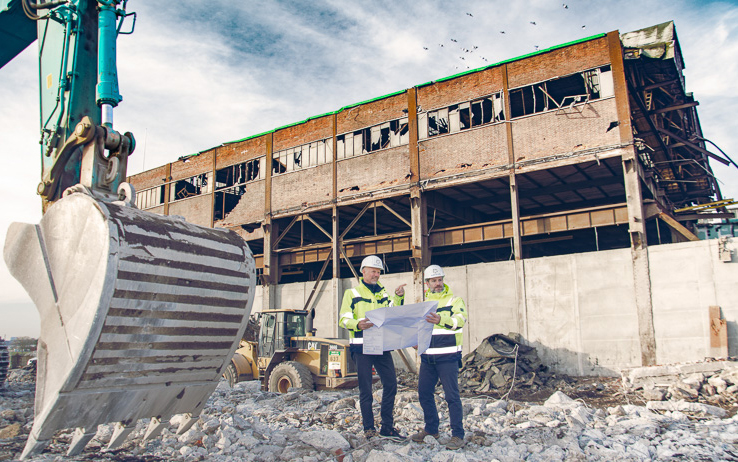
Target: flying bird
(454, 40)
(566, 6)
(502, 32)
(425, 48)
(536, 47)
(469, 14)
(584, 27)
(533, 22)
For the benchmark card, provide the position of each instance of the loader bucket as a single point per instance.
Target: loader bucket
(140, 314)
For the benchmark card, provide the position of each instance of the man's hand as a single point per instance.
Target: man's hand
(365, 324)
(433, 318)
(400, 291)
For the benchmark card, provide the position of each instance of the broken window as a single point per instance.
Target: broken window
(381, 136)
(462, 116)
(384, 135)
(192, 186)
(561, 92)
(438, 122)
(150, 197)
(240, 173)
(309, 155)
(528, 100)
(226, 200)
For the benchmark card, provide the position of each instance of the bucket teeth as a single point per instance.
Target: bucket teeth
(188, 421)
(80, 439)
(33, 446)
(154, 429)
(120, 433)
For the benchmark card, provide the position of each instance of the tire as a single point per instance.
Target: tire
(290, 374)
(231, 374)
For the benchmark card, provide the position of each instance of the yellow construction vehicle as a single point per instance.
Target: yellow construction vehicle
(288, 355)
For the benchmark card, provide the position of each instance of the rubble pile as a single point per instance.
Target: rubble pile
(492, 366)
(247, 424)
(711, 381)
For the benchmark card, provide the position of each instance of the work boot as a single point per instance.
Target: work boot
(455, 443)
(392, 434)
(370, 433)
(420, 436)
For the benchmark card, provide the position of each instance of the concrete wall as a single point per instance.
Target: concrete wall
(579, 310)
(686, 279)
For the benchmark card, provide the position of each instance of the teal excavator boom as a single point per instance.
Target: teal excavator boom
(140, 313)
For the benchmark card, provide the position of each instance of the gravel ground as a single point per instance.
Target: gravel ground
(247, 424)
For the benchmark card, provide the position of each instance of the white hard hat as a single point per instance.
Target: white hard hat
(433, 271)
(372, 261)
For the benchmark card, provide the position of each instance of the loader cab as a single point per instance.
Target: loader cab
(278, 328)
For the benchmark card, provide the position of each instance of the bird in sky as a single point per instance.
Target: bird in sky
(469, 14)
(566, 6)
(533, 22)
(425, 48)
(454, 40)
(502, 32)
(584, 27)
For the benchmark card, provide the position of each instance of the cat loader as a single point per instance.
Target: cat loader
(140, 313)
(288, 355)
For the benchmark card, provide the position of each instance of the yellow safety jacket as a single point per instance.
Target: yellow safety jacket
(447, 336)
(359, 300)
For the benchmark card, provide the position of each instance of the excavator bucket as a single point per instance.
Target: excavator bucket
(140, 314)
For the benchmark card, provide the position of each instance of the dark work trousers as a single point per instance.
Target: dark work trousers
(385, 367)
(448, 372)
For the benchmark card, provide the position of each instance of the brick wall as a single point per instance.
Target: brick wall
(556, 63)
(197, 210)
(242, 151)
(302, 188)
(192, 166)
(548, 134)
(371, 113)
(249, 209)
(149, 178)
(469, 150)
(381, 169)
(463, 88)
(312, 130)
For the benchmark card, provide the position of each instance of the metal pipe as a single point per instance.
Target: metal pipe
(106, 115)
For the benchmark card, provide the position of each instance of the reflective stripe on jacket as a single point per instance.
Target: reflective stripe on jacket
(356, 303)
(447, 338)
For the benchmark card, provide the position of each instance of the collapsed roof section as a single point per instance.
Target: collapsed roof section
(665, 123)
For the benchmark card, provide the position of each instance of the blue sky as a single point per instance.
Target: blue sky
(216, 71)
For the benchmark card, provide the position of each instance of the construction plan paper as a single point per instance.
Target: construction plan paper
(397, 327)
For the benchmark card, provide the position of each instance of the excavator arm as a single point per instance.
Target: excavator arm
(140, 313)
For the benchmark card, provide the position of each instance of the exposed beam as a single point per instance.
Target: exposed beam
(692, 145)
(678, 227)
(656, 85)
(400, 217)
(674, 108)
(454, 208)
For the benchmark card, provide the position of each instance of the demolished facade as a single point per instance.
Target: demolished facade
(583, 147)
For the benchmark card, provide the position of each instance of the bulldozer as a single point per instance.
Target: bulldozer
(140, 313)
(289, 355)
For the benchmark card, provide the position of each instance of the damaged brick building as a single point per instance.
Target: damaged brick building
(586, 146)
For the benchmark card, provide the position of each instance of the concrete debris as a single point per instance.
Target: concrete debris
(246, 423)
(713, 382)
(492, 366)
